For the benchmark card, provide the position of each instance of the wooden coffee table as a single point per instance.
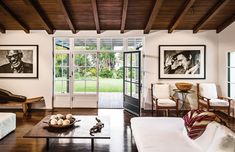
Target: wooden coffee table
(80, 129)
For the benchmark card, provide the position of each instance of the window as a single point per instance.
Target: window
(231, 74)
(85, 44)
(62, 44)
(135, 44)
(108, 44)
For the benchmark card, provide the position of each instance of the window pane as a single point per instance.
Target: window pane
(117, 44)
(90, 73)
(91, 44)
(232, 90)
(91, 60)
(79, 86)
(58, 59)
(135, 90)
(106, 44)
(65, 59)
(58, 73)
(135, 44)
(65, 73)
(127, 88)
(231, 72)
(135, 60)
(79, 44)
(79, 73)
(91, 86)
(62, 44)
(231, 59)
(62, 86)
(135, 75)
(79, 60)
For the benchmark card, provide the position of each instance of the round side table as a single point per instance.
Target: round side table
(184, 95)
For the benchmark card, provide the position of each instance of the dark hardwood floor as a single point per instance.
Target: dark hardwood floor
(121, 139)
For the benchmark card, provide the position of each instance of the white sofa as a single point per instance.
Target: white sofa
(7, 123)
(168, 134)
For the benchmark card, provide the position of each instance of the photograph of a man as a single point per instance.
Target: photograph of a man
(182, 62)
(17, 61)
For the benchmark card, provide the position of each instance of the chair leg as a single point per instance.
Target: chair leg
(177, 113)
(228, 114)
(168, 112)
(156, 111)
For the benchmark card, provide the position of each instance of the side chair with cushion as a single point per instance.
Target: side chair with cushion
(162, 99)
(209, 99)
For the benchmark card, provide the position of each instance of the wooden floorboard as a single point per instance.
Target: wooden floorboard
(120, 132)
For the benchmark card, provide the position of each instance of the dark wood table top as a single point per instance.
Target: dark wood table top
(80, 129)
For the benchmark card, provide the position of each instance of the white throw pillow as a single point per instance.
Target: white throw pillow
(206, 138)
(224, 141)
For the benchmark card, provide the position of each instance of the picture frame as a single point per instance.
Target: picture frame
(182, 62)
(18, 61)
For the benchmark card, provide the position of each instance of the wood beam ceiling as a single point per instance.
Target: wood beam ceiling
(42, 15)
(210, 14)
(225, 24)
(180, 14)
(2, 29)
(153, 15)
(96, 16)
(67, 16)
(124, 14)
(14, 16)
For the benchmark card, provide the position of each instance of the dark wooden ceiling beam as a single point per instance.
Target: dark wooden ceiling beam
(67, 16)
(124, 14)
(225, 24)
(2, 29)
(14, 16)
(210, 14)
(153, 15)
(96, 16)
(42, 15)
(180, 14)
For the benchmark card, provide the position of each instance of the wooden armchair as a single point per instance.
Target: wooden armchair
(161, 98)
(209, 99)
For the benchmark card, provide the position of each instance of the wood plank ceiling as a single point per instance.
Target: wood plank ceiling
(123, 15)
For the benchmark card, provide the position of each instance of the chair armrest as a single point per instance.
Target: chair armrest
(175, 99)
(225, 98)
(204, 98)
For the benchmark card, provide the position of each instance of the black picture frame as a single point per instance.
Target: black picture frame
(182, 62)
(28, 55)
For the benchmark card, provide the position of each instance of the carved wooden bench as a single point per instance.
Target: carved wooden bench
(26, 105)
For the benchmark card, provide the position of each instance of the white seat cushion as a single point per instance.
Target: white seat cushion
(166, 103)
(208, 90)
(7, 123)
(219, 102)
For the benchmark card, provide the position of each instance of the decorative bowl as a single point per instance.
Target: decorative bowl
(72, 122)
(184, 86)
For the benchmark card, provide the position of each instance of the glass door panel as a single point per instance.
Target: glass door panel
(132, 82)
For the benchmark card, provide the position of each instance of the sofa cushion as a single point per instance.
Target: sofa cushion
(206, 138)
(7, 123)
(161, 135)
(224, 140)
(197, 120)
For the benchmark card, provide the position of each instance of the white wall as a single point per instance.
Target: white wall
(226, 44)
(153, 40)
(32, 87)
(43, 85)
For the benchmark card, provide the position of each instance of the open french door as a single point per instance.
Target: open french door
(132, 82)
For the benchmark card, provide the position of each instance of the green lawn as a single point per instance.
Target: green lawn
(105, 85)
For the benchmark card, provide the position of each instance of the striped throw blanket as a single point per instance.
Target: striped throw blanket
(197, 120)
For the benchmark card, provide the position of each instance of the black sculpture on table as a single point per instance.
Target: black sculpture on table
(97, 128)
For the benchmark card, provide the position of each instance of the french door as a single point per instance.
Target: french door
(132, 82)
(76, 79)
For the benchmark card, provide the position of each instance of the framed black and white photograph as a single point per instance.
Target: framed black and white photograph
(18, 61)
(182, 61)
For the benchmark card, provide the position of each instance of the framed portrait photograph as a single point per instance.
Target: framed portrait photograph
(182, 62)
(18, 61)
